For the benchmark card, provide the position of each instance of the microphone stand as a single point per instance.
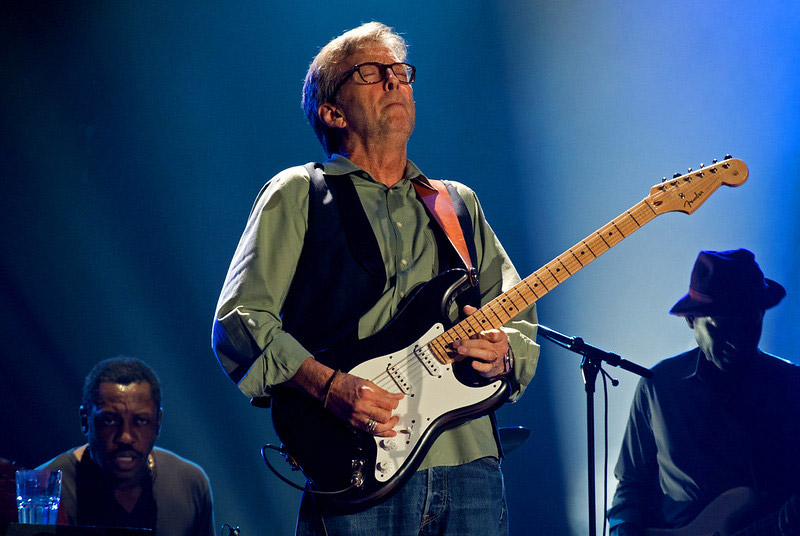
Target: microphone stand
(591, 365)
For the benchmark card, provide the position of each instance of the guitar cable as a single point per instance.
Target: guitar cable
(313, 492)
(614, 382)
(295, 467)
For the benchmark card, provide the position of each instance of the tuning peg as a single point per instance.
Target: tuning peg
(676, 175)
(714, 161)
(702, 165)
(728, 157)
(663, 179)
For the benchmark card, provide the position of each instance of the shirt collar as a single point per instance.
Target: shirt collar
(340, 165)
(695, 371)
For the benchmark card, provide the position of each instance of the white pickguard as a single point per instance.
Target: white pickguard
(434, 391)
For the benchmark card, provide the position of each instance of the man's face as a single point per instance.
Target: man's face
(728, 342)
(379, 111)
(122, 429)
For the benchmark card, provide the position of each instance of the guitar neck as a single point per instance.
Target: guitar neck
(683, 193)
(767, 526)
(525, 293)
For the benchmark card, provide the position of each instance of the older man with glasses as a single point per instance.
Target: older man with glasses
(331, 255)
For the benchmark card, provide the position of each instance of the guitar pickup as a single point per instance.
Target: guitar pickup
(427, 359)
(400, 380)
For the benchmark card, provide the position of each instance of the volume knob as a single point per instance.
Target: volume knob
(385, 467)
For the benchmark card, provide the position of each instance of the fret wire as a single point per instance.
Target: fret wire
(484, 318)
(550, 270)
(541, 275)
(535, 285)
(564, 265)
(517, 289)
(614, 223)
(439, 351)
(526, 292)
(570, 262)
(608, 246)
(493, 308)
(542, 281)
(599, 244)
(630, 225)
(577, 258)
(595, 255)
(525, 281)
(506, 315)
(459, 330)
(473, 323)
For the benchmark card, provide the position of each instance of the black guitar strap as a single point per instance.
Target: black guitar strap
(444, 205)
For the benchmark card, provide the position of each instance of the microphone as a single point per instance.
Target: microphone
(576, 344)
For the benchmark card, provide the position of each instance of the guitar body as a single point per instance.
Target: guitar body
(410, 356)
(439, 396)
(730, 514)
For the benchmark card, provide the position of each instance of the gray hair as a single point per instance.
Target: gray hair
(325, 70)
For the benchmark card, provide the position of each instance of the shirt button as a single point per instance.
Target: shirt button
(402, 293)
(399, 224)
(403, 262)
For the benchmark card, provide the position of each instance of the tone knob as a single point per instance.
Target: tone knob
(388, 444)
(385, 467)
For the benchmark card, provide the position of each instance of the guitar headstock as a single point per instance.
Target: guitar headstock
(685, 193)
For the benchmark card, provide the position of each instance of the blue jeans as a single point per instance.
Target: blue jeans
(443, 501)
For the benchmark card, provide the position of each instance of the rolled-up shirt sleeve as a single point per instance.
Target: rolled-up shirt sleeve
(248, 337)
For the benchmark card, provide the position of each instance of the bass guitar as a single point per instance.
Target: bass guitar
(730, 514)
(411, 355)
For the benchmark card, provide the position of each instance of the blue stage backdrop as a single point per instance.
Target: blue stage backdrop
(135, 136)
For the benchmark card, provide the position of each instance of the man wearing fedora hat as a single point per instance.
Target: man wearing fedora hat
(713, 439)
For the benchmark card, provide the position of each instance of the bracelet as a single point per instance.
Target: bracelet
(508, 361)
(327, 389)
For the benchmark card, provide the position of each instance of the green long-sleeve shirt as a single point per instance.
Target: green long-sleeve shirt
(266, 258)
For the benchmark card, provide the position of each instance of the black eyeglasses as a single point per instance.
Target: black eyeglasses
(372, 72)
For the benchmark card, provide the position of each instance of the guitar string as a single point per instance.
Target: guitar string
(605, 238)
(406, 366)
(570, 264)
(596, 244)
(601, 241)
(411, 366)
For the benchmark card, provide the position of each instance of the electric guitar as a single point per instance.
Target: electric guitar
(728, 515)
(412, 355)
